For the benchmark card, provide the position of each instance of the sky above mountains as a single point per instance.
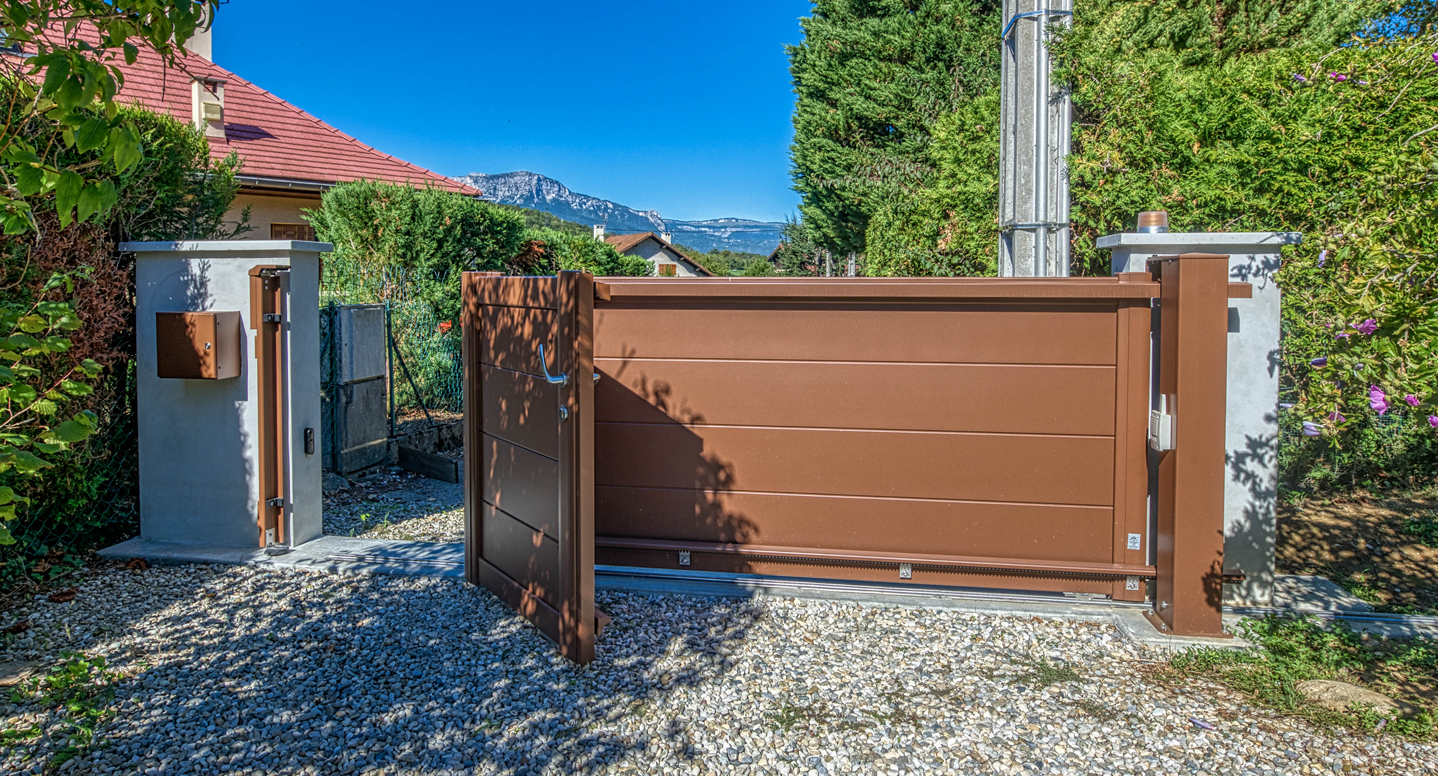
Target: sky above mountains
(675, 106)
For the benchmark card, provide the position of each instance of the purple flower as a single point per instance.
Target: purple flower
(1345, 335)
(1285, 405)
(1412, 400)
(1433, 419)
(1367, 327)
(1338, 76)
(1302, 80)
(1336, 417)
(1435, 57)
(1319, 362)
(1311, 429)
(1322, 257)
(1377, 399)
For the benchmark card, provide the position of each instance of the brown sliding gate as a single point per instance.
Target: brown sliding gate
(977, 432)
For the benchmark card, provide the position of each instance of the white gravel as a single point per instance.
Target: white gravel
(396, 504)
(236, 670)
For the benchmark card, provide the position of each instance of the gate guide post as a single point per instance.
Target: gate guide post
(1193, 374)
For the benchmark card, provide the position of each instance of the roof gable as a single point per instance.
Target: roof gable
(628, 242)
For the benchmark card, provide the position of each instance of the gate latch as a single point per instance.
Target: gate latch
(276, 502)
(273, 318)
(1160, 427)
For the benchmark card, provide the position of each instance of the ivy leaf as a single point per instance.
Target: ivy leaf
(21, 393)
(67, 194)
(71, 431)
(33, 324)
(92, 134)
(75, 389)
(29, 463)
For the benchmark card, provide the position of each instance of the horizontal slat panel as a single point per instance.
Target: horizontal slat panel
(544, 617)
(510, 338)
(977, 467)
(522, 409)
(515, 291)
(524, 484)
(1004, 399)
(527, 556)
(985, 334)
(877, 525)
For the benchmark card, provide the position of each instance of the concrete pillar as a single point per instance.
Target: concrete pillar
(1034, 144)
(197, 437)
(1251, 426)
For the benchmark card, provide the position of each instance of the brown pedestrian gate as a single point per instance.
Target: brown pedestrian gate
(980, 432)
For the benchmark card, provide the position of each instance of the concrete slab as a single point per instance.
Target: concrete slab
(1315, 594)
(334, 554)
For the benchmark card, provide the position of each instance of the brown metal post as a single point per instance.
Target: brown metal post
(575, 354)
(266, 319)
(1193, 373)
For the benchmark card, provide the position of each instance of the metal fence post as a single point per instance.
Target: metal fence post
(389, 361)
(1193, 381)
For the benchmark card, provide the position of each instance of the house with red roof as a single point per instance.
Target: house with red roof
(289, 157)
(659, 249)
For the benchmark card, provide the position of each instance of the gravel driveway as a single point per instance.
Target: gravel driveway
(236, 670)
(397, 504)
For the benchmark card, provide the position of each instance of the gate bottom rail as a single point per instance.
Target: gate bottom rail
(1064, 568)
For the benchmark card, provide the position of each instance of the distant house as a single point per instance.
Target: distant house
(668, 261)
(289, 157)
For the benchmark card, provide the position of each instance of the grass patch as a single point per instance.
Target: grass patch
(1043, 674)
(84, 688)
(1097, 710)
(1423, 527)
(1290, 650)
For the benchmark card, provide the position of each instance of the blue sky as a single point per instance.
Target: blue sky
(681, 107)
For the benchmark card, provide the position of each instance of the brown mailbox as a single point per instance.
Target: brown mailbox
(197, 346)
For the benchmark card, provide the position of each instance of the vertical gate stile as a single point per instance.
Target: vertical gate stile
(470, 322)
(1130, 431)
(584, 459)
(577, 624)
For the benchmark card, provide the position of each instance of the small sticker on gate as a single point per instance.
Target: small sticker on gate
(684, 558)
(1135, 541)
(906, 571)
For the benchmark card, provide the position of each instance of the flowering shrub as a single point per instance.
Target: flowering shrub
(1376, 272)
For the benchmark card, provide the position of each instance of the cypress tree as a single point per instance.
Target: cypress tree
(872, 78)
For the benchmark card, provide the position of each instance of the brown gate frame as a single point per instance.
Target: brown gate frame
(522, 572)
(267, 320)
(1189, 535)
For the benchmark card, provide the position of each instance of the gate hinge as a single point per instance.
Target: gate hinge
(275, 502)
(274, 318)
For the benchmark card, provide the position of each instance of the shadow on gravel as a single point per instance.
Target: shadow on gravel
(277, 671)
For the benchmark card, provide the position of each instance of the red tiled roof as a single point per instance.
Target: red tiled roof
(272, 137)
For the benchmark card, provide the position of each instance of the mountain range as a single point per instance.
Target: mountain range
(537, 192)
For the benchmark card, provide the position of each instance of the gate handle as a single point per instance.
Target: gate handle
(562, 379)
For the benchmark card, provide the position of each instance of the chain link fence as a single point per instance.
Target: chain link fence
(426, 383)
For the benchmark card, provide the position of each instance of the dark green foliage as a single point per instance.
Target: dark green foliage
(435, 234)
(538, 219)
(1292, 650)
(872, 78)
(177, 191)
(798, 253)
(722, 262)
(547, 251)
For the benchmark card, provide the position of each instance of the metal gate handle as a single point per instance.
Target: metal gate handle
(562, 379)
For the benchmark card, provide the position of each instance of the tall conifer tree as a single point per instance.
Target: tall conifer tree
(872, 78)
